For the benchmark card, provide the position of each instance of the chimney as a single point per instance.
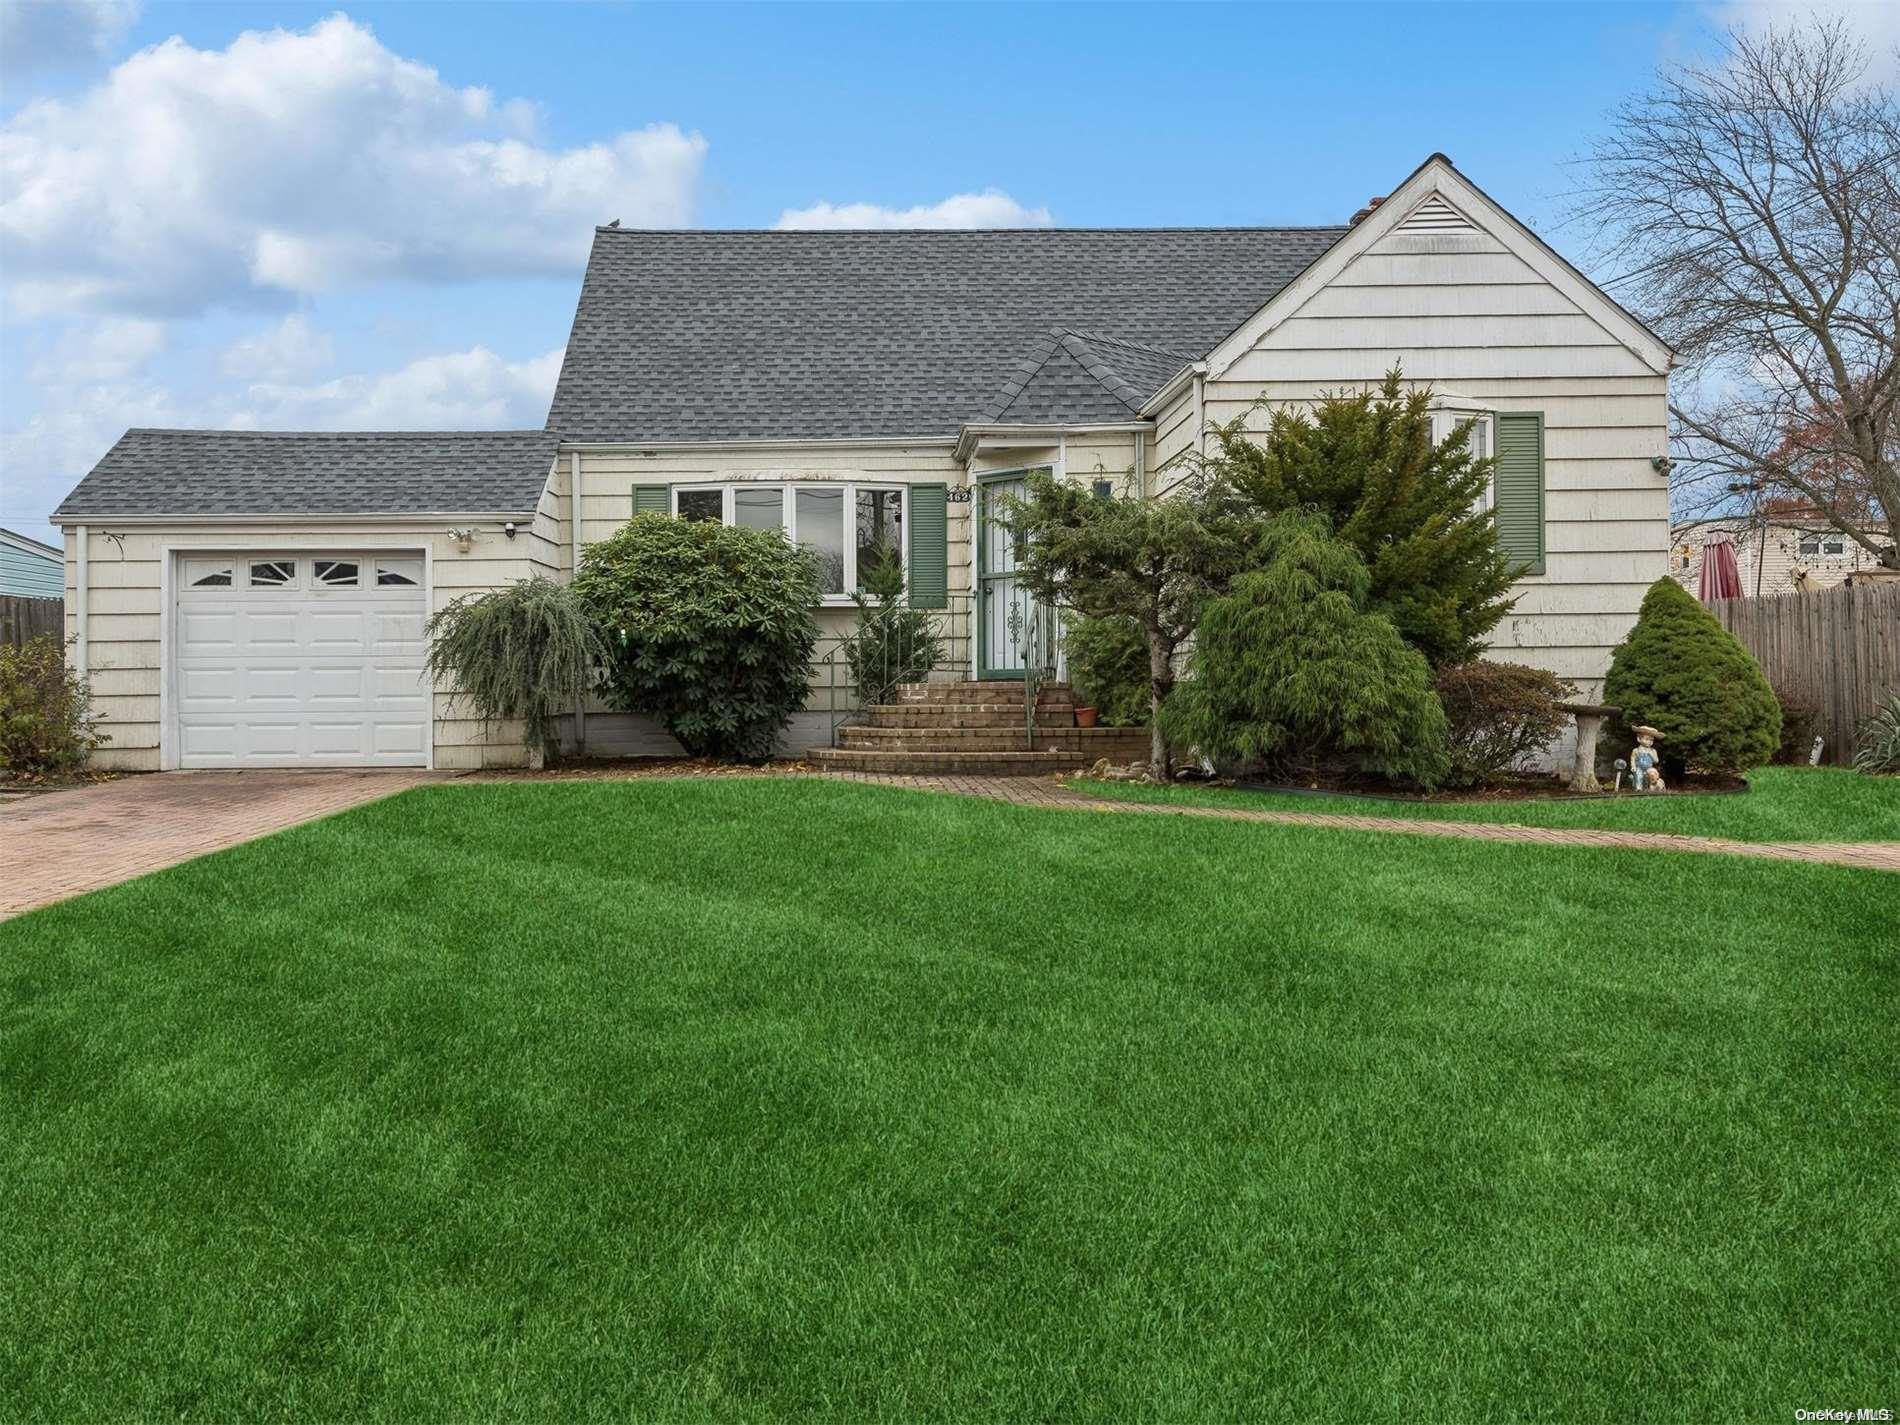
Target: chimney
(1364, 212)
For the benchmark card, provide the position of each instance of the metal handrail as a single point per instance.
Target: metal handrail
(845, 697)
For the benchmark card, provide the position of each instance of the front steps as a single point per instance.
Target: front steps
(976, 729)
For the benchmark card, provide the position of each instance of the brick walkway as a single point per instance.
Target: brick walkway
(61, 844)
(1046, 792)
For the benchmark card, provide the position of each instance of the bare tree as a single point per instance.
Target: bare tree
(1756, 204)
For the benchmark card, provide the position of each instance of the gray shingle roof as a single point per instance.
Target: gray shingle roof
(1074, 378)
(226, 472)
(743, 335)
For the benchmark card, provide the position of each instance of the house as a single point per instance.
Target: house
(247, 599)
(1771, 548)
(29, 569)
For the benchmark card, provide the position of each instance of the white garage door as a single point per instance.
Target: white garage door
(295, 659)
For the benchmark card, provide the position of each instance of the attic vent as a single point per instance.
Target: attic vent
(1435, 215)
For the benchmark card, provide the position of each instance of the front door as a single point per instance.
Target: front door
(1012, 628)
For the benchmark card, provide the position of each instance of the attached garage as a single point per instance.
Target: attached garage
(287, 658)
(253, 599)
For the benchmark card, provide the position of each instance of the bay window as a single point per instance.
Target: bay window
(845, 524)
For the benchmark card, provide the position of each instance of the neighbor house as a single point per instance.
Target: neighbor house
(29, 569)
(244, 599)
(1785, 549)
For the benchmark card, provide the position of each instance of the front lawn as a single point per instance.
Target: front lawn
(787, 1099)
(1781, 804)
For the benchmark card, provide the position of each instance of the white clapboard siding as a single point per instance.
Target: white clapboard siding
(125, 616)
(1486, 326)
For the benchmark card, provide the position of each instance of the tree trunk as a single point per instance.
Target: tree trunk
(1160, 684)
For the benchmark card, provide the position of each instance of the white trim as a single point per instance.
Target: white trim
(1437, 176)
(977, 434)
(520, 517)
(647, 447)
(1177, 383)
(168, 558)
(82, 578)
(574, 568)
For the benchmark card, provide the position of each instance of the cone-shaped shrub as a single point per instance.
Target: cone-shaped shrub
(1684, 674)
(1291, 673)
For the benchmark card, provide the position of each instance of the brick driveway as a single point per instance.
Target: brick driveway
(62, 844)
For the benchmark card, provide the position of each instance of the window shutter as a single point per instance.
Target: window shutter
(651, 499)
(1518, 480)
(929, 546)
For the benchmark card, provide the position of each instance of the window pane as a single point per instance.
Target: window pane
(208, 573)
(820, 520)
(702, 505)
(336, 573)
(880, 532)
(759, 509)
(1810, 545)
(272, 573)
(399, 573)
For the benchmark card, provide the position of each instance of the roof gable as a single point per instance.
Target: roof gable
(1073, 378)
(1438, 203)
(709, 336)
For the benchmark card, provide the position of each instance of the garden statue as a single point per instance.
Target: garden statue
(1646, 762)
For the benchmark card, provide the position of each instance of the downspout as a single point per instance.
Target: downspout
(1141, 465)
(574, 568)
(80, 580)
(1200, 413)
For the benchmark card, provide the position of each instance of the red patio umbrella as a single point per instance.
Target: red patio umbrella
(1721, 575)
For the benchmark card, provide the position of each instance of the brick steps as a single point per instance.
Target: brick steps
(964, 715)
(976, 729)
(968, 764)
(1118, 744)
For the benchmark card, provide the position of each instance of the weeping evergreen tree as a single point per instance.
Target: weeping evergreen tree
(526, 653)
(1290, 672)
(1414, 510)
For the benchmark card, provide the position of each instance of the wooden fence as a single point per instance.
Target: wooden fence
(1838, 651)
(22, 618)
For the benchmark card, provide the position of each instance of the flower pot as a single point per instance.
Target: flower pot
(1085, 717)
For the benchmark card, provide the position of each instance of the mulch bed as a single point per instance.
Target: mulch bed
(16, 786)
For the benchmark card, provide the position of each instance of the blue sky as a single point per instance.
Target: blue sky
(322, 216)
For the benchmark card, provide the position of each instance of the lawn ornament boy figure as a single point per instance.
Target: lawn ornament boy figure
(1646, 762)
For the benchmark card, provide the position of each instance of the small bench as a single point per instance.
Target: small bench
(1589, 716)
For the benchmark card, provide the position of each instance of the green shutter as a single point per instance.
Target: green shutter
(929, 546)
(651, 500)
(1519, 483)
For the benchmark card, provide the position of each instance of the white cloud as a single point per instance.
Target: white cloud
(992, 208)
(100, 352)
(464, 390)
(46, 35)
(1877, 22)
(45, 456)
(295, 162)
(284, 352)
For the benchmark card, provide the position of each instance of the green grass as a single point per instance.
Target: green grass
(1781, 804)
(772, 1100)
